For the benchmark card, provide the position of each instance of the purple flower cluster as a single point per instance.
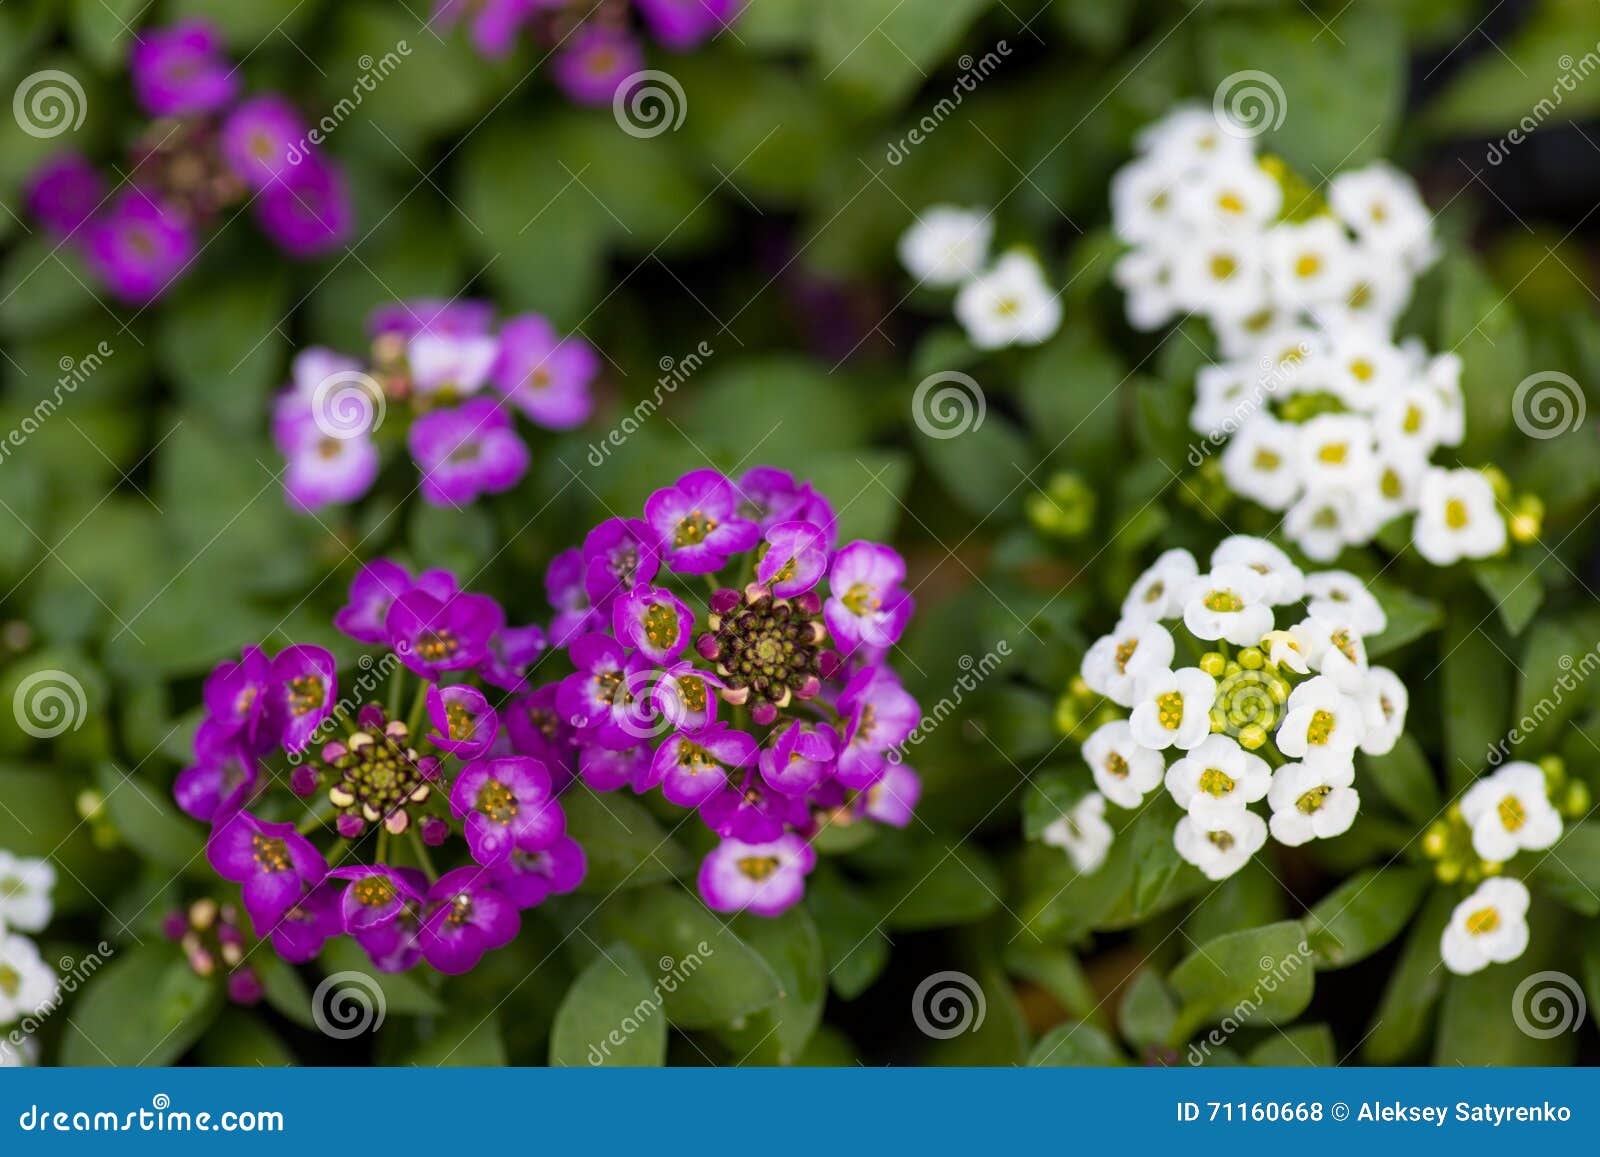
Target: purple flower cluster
(384, 796)
(767, 705)
(213, 943)
(459, 379)
(596, 47)
(205, 151)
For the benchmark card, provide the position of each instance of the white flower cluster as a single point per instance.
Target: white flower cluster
(1507, 812)
(1001, 304)
(27, 982)
(1279, 719)
(1327, 417)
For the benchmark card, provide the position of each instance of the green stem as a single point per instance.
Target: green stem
(424, 856)
(382, 856)
(312, 822)
(397, 685)
(419, 704)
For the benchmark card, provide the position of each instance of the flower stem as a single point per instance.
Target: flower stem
(419, 704)
(397, 685)
(424, 856)
(312, 822)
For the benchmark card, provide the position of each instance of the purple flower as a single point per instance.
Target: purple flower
(433, 635)
(299, 934)
(372, 592)
(607, 698)
(545, 376)
(606, 770)
(512, 653)
(527, 878)
(800, 757)
(691, 768)
(394, 947)
(245, 987)
(431, 315)
(753, 813)
(138, 246)
(493, 24)
(507, 805)
(455, 365)
(469, 916)
(180, 71)
(866, 606)
(307, 211)
(618, 555)
(236, 694)
(655, 621)
(682, 24)
(377, 895)
(696, 523)
(222, 777)
(564, 587)
(302, 693)
(322, 469)
(466, 451)
(766, 878)
(882, 716)
(686, 696)
(273, 864)
(258, 139)
(894, 797)
(464, 723)
(795, 560)
(768, 496)
(595, 61)
(538, 728)
(65, 192)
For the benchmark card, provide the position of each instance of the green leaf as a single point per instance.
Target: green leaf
(1513, 585)
(623, 844)
(1363, 914)
(1482, 1020)
(1256, 977)
(854, 946)
(1072, 395)
(1548, 687)
(1078, 1045)
(144, 1008)
(467, 1040)
(1148, 1011)
(239, 1040)
(1570, 871)
(403, 992)
(778, 1034)
(1404, 1017)
(611, 1015)
(219, 341)
(1476, 695)
(1304, 1045)
(1058, 972)
(1404, 778)
(939, 886)
(985, 466)
(1410, 616)
(877, 51)
(285, 991)
(1479, 322)
(147, 821)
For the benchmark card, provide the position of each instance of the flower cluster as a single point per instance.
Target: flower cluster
(1270, 712)
(1001, 303)
(28, 985)
(459, 378)
(1515, 809)
(205, 151)
(596, 47)
(1327, 417)
(759, 700)
(385, 793)
(213, 941)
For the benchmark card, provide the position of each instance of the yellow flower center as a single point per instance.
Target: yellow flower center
(1333, 453)
(1124, 653)
(1225, 601)
(758, 867)
(1116, 766)
(1169, 709)
(1266, 460)
(1455, 514)
(1482, 921)
(1312, 800)
(1216, 783)
(1512, 813)
(1308, 265)
(1320, 729)
(1221, 840)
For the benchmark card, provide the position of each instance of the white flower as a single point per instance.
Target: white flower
(1376, 295)
(1488, 927)
(1238, 337)
(1457, 517)
(18, 1054)
(1394, 485)
(1340, 595)
(1144, 199)
(1384, 209)
(1226, 397)
(1220, 849)
(947, 245)
(1412, 420)
(1191, 135)
(1173, 709)
(1009, 305)
(27, 983)
(1123, 771)
(1221, 275)
(1291, 649)
(1158, 592)
(1145, 276)
(1259, 462)
(1323, 522)
(441, 362)
(1228, 603)
(1442, 373)
(1238, 199)
(1313, 800)
(1284, 581)
(1384, 702)
(1216, 779)
(1510, 811)
(1336, 450)
(1336, 652)
(1114, 663)
(25, 887)
(1082, 833)
(1365, 367)
(1321, 719)
(1310, 262)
